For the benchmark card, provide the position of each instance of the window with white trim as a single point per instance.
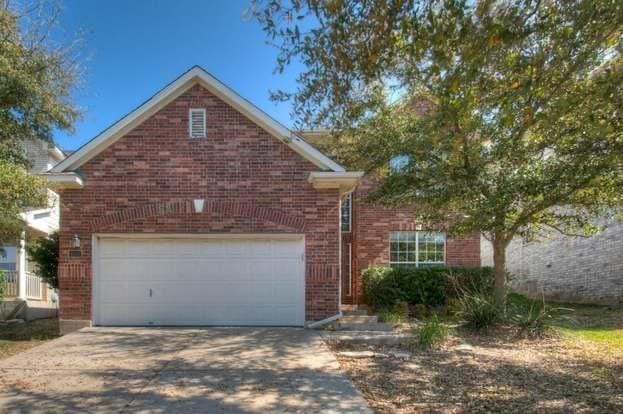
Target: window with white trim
(197, 122)
(416, 248)
(346, 213)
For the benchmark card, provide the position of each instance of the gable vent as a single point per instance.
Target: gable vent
(197, 123)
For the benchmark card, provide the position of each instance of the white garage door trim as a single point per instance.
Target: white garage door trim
(95, 302)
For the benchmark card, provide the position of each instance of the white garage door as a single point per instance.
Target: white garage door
(209, 281)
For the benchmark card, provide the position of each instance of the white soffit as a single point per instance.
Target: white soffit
(172, 91)
(345, 181)
(63, 180)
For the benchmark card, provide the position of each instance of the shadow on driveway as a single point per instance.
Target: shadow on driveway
(162, 370)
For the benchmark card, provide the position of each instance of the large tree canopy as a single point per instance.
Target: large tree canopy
(36, 80)
(509, 112)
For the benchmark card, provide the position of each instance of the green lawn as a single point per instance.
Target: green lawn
(599, 324)
(19, 337)
(602, 325)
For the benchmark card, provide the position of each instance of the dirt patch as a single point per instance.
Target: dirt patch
(497, 373)
(17, 338)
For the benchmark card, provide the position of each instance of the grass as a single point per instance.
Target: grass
(396, 314)
(600, 325)
(20, 337)
(430, 333)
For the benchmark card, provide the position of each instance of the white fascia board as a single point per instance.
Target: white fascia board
(345, 181)
(63, 180)
(172, 91)
(56, 153)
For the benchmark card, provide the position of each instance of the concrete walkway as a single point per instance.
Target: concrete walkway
(166, 370)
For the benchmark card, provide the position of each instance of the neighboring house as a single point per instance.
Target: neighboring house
(25, 288)
(199, 209)
(568, 269)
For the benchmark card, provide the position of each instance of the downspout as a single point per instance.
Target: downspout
(339, 267)
(324, 321)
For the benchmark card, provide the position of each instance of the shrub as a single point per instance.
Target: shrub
(478, 309)
(395, 314)
(430, 333)
(431, 286)
(470, 279)
(43, 252)
(534, 318)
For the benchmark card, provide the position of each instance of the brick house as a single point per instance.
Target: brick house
(197, 208)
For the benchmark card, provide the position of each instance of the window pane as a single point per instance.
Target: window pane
(402, 248)
(431, 248)
(345, 213)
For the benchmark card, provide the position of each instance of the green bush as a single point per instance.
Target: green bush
(478, 309)
(430, 333)
(532, 317)
(43, 252)
(395, 314)
(470, 279)
(431, 286)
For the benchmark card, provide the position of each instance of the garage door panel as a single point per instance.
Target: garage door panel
(200, 282)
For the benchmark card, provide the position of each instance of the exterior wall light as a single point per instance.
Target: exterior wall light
(198, 203)
(76, 241)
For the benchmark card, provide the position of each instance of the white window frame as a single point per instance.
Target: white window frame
(417, 262)
(190, 122)
(350, 213)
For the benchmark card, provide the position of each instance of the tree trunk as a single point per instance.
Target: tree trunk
(499, 267)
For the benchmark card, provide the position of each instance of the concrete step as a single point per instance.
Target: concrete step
(350, 312)
(364, 326)
(358, 318)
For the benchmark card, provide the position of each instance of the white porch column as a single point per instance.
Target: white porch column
(21, 266)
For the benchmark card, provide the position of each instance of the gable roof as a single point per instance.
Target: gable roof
(173, 90)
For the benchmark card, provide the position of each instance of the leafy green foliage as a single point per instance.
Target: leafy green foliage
(3, 285)
(511, 113)
(38, 77)
(534, 318)
(36, 82)
(478, 310)
(430, 332)
(394, 314)
(18, 190)
(383, 287)
(43, 252)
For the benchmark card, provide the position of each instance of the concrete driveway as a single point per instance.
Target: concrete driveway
(166, 370)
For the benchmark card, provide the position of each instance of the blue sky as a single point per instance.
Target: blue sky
(133, 48)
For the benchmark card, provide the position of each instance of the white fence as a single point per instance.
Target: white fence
(34, 286)
(12, 283)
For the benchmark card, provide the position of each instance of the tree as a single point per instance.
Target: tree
(36, 80)
(43, 252)
(510, 113)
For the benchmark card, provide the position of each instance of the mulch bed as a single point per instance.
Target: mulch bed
(490, 374)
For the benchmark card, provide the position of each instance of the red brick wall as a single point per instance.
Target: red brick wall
(252, 183)
(372, 225)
